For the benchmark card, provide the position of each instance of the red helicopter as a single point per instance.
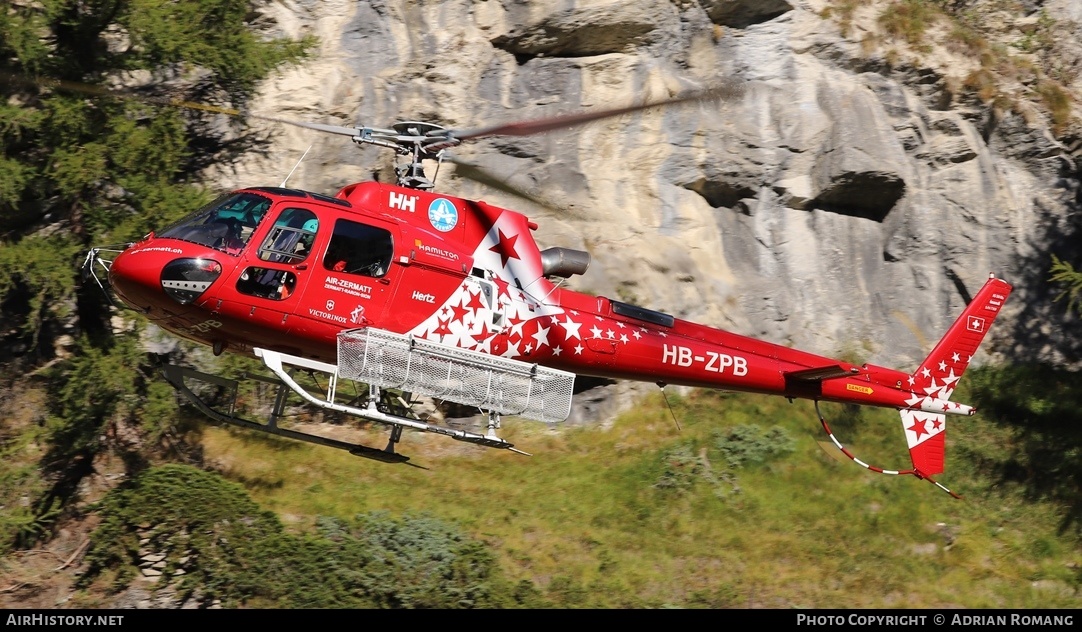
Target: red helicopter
(413, 292)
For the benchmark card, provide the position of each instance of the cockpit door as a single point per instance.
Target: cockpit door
(263, 291)
(351, 279)
(277, 269)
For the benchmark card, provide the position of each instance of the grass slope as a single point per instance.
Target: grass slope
(713, 512)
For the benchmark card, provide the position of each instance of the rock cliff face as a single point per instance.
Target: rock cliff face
(850, 201)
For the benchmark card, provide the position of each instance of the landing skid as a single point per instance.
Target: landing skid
(179, 378)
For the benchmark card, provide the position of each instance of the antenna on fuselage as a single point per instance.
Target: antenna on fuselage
(661, 385)
(290, 174)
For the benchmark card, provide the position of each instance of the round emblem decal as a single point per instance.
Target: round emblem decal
(442, 214)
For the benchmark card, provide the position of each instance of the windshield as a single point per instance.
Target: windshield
(225, 224)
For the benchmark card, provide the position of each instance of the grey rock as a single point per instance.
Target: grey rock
(742, 13)
(846, 202)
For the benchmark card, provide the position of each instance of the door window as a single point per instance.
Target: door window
(290, 239)
(357, 248)
(276, 285)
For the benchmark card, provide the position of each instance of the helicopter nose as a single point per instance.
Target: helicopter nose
(135, 277)
(142, 279)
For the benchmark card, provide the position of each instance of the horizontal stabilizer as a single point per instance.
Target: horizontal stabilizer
(818, 374)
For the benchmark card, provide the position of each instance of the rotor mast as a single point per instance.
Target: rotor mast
(417, 141)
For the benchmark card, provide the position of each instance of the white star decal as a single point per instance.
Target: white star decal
(954, 357)
(578, 349)
(926, 373)
(541, 336)
(636, 334)
(942, 366)
(623, 338)
(609, 334)
(595, 331)
(572, 329)
(557, 351)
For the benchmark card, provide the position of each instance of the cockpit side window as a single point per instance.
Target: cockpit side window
(290, 239)
(359, 249)
(225, 224)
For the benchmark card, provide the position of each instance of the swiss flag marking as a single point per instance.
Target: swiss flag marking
(975, 323)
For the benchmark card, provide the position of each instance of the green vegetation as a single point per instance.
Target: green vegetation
(736, 507)
(909, 20)
(79, 169)
(1037, 414)
(685, 464)
(1064, 273)
(108, 170)
(203, 537)
(1035, 71)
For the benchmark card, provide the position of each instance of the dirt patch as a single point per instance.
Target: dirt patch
(45, 577)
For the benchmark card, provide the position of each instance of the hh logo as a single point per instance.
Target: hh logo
(402, 201)
(975, 324)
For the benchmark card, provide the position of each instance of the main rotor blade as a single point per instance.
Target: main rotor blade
(482, 176)
(727, 91)
(93, 90)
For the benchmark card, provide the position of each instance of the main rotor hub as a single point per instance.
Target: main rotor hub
(417, 128)
(420, 141)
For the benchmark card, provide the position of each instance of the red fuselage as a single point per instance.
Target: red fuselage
(288, 270)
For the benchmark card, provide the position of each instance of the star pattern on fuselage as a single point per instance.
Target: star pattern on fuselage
(528, 331)
(517, 324)
(505, 247)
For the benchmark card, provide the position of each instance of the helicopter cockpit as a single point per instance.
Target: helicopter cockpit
(225, 224)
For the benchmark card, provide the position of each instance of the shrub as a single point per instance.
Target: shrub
(213, 543)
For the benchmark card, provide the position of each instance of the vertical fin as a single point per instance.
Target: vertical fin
(926, 434)
(938, 375)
